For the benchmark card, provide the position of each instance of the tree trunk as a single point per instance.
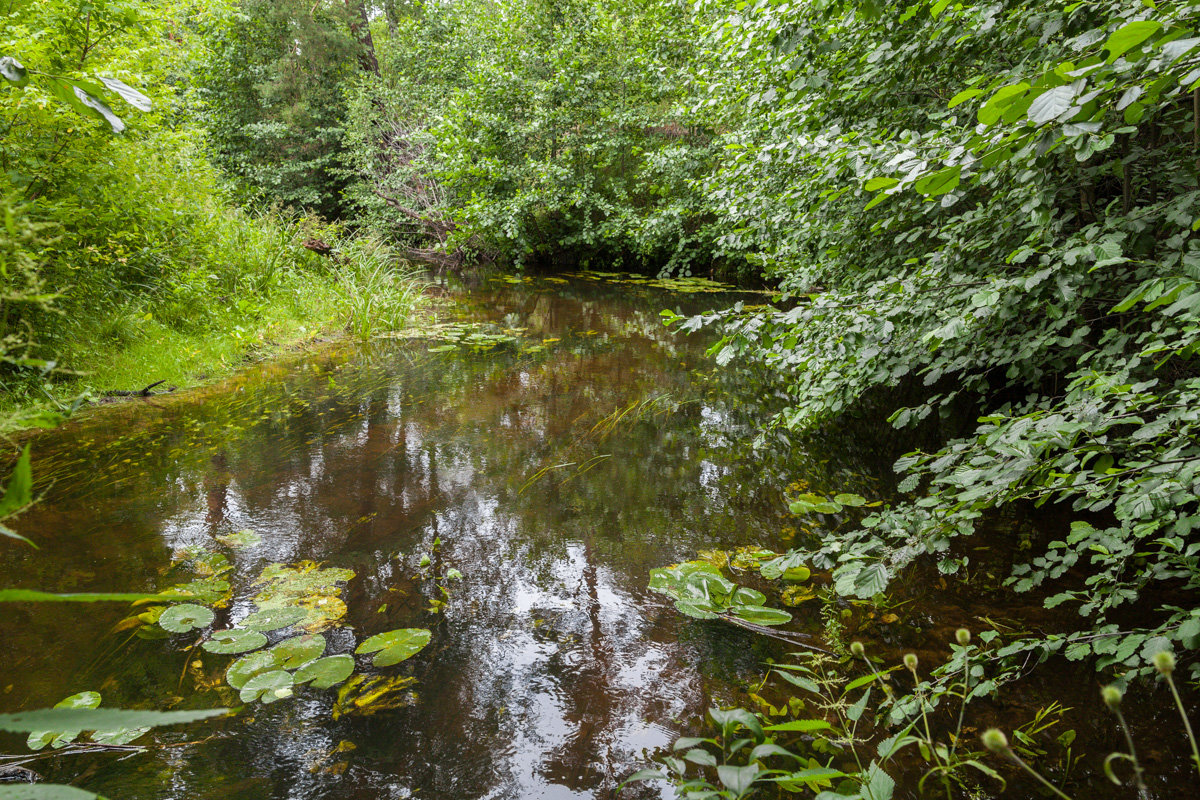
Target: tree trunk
(360, 26)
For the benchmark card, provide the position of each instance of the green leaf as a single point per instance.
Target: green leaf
(1129, 36)
(267, 687)
(998, 103)
(800, 726)
(760, 615)
(45, 791)
(248, 666)
(186, 617)
(234, 641)
(95, 719)
(940, 182)
(871, 580)
(298, 651)
(738, 779)
(19, 492)
(326, 672)
(875, 184)
(33, 596)
(964, 96)
(273, 619)
(1051, 104)
(395, 646)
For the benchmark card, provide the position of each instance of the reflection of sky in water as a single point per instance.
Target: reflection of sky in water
(552, 672)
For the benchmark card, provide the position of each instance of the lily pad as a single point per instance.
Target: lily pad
(395, 646)
(234, 641)
(326, 672)
(298, 651)
(39, 739)
(185, 617)
(268, 687)
(248, 666)
(273, 619)
(118, 736)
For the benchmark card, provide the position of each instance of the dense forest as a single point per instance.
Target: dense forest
(976, 225)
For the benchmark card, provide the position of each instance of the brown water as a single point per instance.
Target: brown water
(553, 475)
(551, 673)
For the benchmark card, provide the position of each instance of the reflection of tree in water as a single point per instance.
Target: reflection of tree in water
(356, 458)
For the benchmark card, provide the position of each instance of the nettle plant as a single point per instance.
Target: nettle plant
(847, 732)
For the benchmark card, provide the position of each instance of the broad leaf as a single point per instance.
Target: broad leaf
(395, 646)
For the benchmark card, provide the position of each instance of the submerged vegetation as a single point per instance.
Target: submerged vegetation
(977, 224)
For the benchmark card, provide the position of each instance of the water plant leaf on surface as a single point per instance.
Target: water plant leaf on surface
(185, 617)
(326, 672)
(118, 736)
(206, 591)
(248, 666)
(58, 738)
(267, 687)
(273, 619)
(234, 641)
(701, 591)
(297, 651)
(306, 586)
(395, 646)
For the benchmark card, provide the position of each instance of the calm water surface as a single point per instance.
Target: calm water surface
(553, 477)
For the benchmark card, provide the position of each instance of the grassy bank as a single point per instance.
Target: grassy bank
(249, 289)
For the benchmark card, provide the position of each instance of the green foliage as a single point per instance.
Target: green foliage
(538, 132)
(701, 591)
(272, 82)
(395, 646)
(996, 202)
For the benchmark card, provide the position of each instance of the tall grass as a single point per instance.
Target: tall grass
(376, 290)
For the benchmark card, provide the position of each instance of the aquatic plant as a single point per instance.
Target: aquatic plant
(701, 591)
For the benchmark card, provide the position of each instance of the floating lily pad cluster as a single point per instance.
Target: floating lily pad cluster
(685, 285)
(475, 336)
(280, 645)
(701, 591)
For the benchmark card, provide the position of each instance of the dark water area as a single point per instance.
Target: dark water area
(552, 473)
(553, 476)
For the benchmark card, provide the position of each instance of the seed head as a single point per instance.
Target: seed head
(995, 740)
(1164, 662)
(1111, 696)
(856, 649)
(963, 636)
(910, 662)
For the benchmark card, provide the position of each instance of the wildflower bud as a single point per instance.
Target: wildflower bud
(856, 649)
(995, 740)
(1112, 697)
(1164, 662)
(910, 662)
(963, 636)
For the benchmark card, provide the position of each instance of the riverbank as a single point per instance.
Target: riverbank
(364, 292)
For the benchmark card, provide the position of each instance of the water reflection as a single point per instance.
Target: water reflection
(552, 480)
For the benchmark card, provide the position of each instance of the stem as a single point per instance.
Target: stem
(1186, 723)
(962, 709)
(1058, 792)
(1137, 766)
